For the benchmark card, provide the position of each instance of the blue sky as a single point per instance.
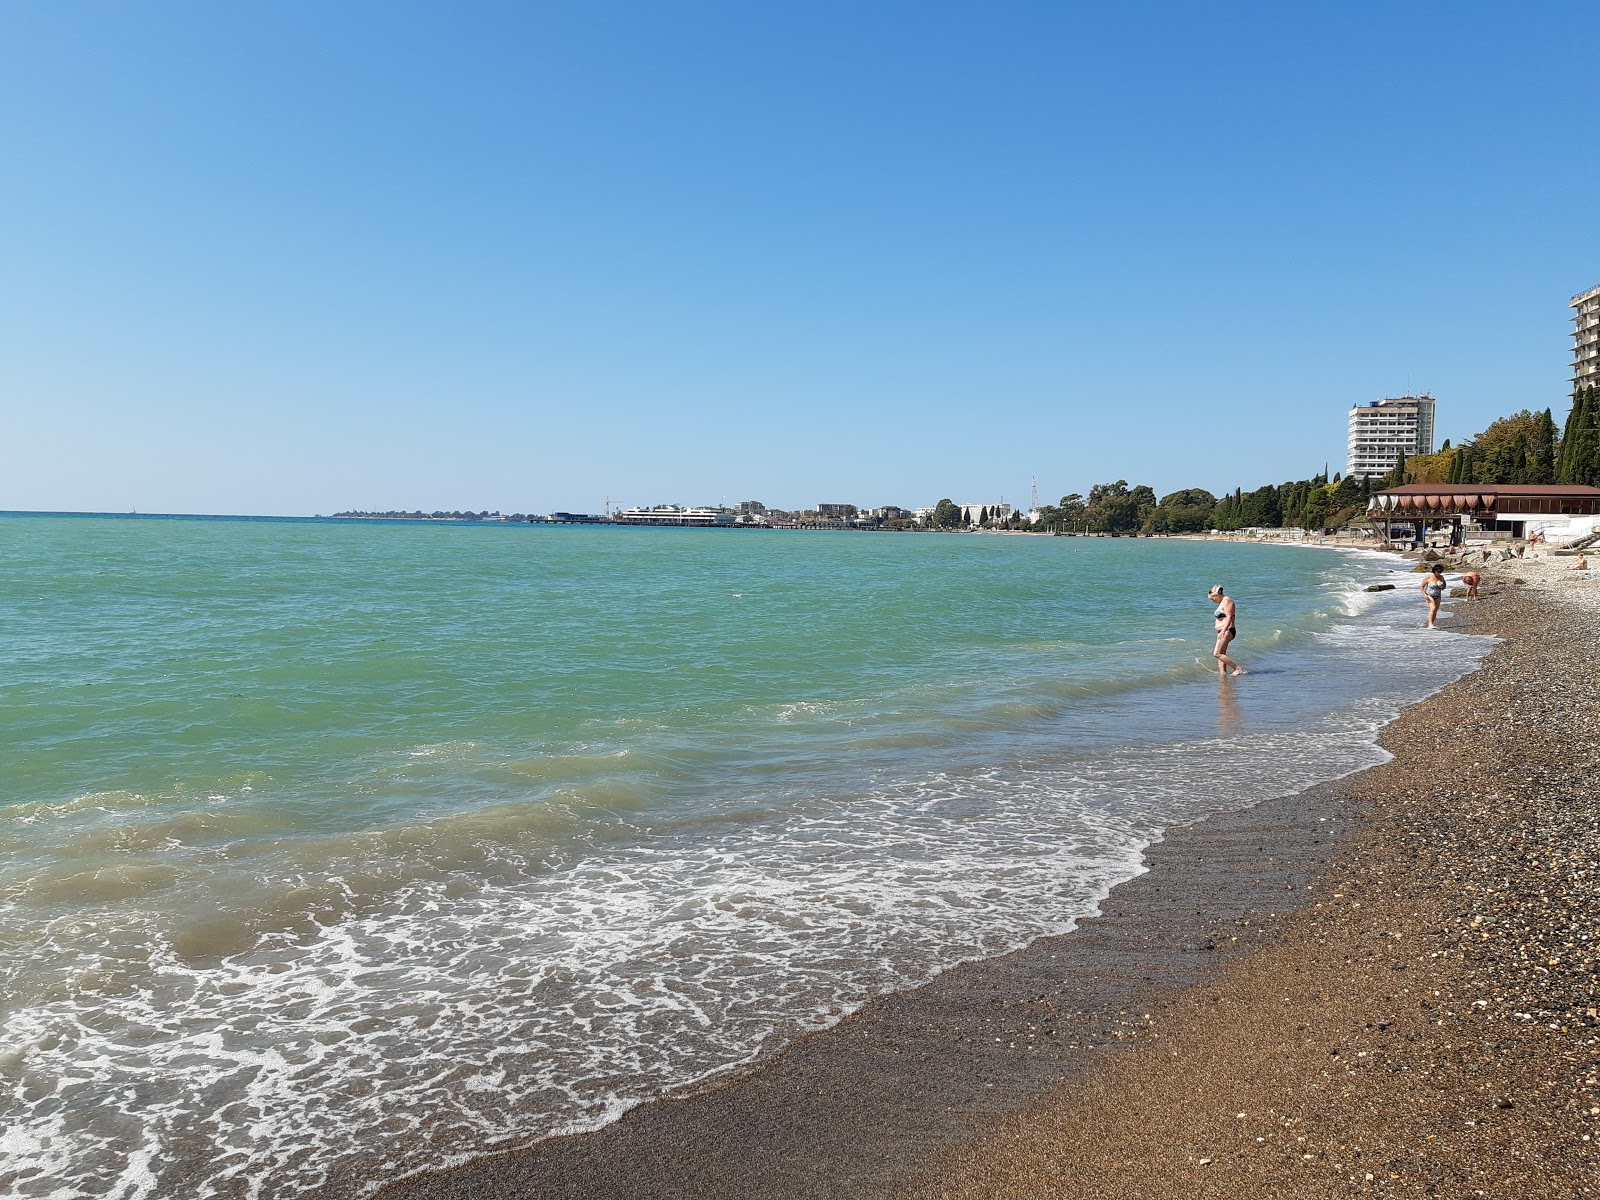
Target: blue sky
(297, 257)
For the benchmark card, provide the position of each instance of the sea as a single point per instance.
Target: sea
(350, 849)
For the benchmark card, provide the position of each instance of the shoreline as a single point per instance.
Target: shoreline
(937, 1074)
(1428, 1024)
(853, 1109)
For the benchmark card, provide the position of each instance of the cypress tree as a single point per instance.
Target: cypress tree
(1544, 452)
(1569, 466)
(1586, 462)
(1397, 474)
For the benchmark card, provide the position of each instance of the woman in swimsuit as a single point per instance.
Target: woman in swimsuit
(1433, 585)
(1227, 630)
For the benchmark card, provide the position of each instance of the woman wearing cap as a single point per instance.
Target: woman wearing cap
(1227, 630)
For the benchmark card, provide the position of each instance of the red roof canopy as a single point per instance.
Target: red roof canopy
(1499, 489)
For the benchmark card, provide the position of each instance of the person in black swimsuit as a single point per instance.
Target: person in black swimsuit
(1227, 630)
(1433, 587)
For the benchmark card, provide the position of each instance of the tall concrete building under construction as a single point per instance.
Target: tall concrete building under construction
(1383, 430)
(1586, 340)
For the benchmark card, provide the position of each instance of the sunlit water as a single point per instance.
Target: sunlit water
(333, 844)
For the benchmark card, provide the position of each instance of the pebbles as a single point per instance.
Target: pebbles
(1428, 1024)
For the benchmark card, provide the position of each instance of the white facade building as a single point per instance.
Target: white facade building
(1380, 432)
(1586, 340)
(676, 514)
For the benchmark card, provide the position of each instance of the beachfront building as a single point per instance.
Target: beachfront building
(1586, 340)
(1382, 430)
(1511, 510)
(973, 514)
(570, 518)
(676, 514)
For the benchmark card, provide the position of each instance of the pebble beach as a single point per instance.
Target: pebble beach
(1384, 986)
(1425, 1024)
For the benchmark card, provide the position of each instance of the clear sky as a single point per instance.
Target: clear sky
(297, 257)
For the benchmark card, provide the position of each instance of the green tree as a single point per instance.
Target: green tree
(1542, 453)
(1187, 511)
(1397, 474)
(946, 515)
(1515, 449)
(1071, 515)
(1579, 457)
(1113, 508)
(1144, 505)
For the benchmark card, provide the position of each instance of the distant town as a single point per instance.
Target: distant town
(753, 514)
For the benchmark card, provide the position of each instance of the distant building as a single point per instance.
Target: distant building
(675, 514)
(1586, 340)
(836, 511)
(567, 518)
(1380, 432)
(750, 508)
(971, 513)
(892, 512)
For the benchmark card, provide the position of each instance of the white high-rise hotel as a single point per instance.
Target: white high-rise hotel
(1380, 432)
(1586, 340)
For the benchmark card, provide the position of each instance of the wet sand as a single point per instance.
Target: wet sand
(1390, 977)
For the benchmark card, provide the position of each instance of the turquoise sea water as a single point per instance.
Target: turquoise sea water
(359, 847)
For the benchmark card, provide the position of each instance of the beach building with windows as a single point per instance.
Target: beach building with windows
(1382, 430)
(1586, 340)
(1559, 511)
(676, 514)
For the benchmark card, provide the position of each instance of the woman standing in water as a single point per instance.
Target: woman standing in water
(1433, 585)
(1227, 630)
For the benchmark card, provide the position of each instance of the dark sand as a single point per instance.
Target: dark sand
(1311, 963)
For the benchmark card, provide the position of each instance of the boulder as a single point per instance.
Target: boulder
(1381, 587)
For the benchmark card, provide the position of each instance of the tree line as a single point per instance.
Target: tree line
(1525, 447)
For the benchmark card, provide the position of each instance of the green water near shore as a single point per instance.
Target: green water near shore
(306, 822)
